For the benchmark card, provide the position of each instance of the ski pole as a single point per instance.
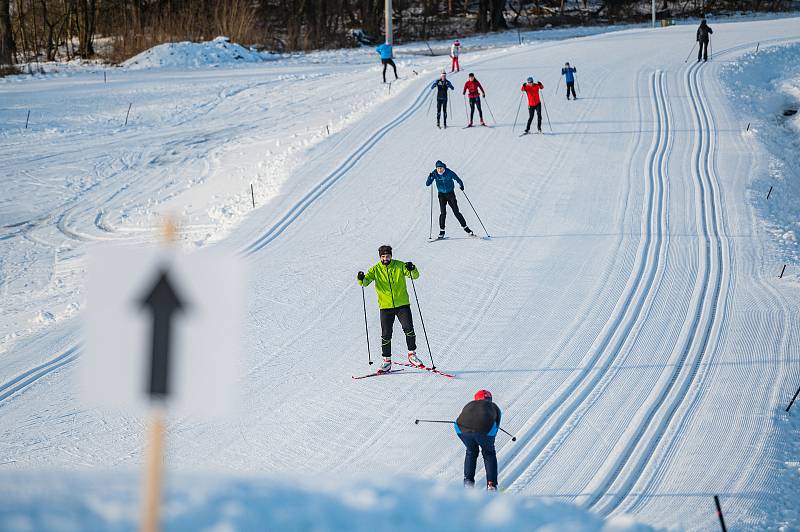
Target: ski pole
(366, 327)
(430, 231)
(418, 421)
(711, 50)
(690, 53)
(450, 103)
(521, 97)
(490, 109)
(558, 86)
(476, 214)
(577, 85)
(466, 113)
(428, 112)
(433, 364)
(547, 115)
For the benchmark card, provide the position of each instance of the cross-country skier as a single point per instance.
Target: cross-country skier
(385, 51)
(442, 85)
(477, 426)
(569, 76)
(471, 88)
(455, 50)
(534, 102)
(390, 285)
(703, 32)
(444, 178)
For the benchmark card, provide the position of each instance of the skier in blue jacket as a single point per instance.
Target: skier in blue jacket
(445, 178)
(385, 51)
(569, 76)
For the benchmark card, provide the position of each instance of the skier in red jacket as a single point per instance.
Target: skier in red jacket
(534, 102)
(472, 86)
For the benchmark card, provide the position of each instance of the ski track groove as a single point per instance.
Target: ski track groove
(26, 378)
(626, 316)
(704, 325)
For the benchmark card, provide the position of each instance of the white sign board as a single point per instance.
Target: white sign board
(124, 331)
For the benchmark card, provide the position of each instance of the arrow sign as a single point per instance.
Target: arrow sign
(163, 303)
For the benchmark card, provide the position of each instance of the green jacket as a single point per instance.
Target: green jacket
(390, 283)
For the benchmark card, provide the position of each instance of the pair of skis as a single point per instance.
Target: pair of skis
(423, 367)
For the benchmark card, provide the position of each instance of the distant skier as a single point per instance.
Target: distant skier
(534, 102)
(444, 178)
(385, 51)
(442, 85)
(703, 32)
(455, 50)
(477, 426)
(569, 76)
(390, 285)
(471, 88)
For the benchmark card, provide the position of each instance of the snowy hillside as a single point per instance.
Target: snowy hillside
(626, 312)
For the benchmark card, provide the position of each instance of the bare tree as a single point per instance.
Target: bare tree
(6, 34)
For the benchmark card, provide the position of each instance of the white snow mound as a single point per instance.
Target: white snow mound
(187, 54)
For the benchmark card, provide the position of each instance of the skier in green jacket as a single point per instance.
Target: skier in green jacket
(390, 285)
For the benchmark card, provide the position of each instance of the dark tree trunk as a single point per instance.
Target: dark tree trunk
(86, 31)
(6, 35)
(497, 21)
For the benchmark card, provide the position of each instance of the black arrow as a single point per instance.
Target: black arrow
(163, 302)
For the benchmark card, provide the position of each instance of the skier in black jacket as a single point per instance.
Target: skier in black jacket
(703, 31)
(442, 85)
(477, 426)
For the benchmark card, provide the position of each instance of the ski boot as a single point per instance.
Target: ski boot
(386, 366)
(491, 486)
(482, 122)
(469, 483)
(468, 231)
(413, 360)
(441, 233)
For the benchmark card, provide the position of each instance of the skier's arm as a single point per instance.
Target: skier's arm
(457, 179)
(563, 71)
(414, 274)
(541, 85)
(709, 29)
(481, 88)
(430, 179)
(499, 415)
(450, 86)
(465, 88)
(698, 34)
(433, 85)
(368, 277)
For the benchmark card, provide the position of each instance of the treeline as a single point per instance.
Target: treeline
(46, 30)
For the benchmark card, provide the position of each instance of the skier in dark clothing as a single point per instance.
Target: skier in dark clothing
(472, 88)
(390, 285)
(569, 76)
(477, 426)
(442, 85)
(703, 32)
(444, 178)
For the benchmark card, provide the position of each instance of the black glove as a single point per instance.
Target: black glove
(410, 266)
(360, 276)
(462, 187)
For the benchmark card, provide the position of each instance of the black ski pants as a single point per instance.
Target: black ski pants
(445, 199)
(387, 324)
(702, 50)
(441, 107)
(532, 110)
(475, 441)
(388, 62)
(571, 87)
(473, 103)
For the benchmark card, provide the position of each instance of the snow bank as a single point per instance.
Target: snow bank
(110, 502)
(766, 84)
(187, 54)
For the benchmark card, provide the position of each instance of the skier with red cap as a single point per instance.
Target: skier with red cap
(477, 426)
(455, 50)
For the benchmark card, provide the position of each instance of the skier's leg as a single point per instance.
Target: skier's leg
(489, 457)
(394, 67)
(480, 111)
(471, 457)
(444, 110)
(439, 112)
(539, 116)
(384, 70)
(572, 86)
(471, 109)
(699, 50)
(458, 66)
(530, 118)
(387, 323)
(451, 199)
(442, 210)
(407, 322)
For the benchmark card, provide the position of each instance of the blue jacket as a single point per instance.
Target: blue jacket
(441, 88)
(444, 182)
(385, 50)
(569, 73)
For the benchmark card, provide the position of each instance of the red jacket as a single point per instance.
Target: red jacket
(472, 87)
(532, 91)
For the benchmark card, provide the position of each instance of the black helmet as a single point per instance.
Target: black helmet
(384, 250)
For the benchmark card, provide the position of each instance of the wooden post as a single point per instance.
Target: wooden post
(770, 191)
(27, 119)
(151, 498)
(128, 113)
(253, 195)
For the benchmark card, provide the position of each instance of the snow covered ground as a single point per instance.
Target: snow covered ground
(626, 314)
